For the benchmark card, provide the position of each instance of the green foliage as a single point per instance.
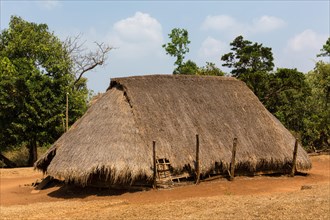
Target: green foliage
(258, 82)
(210, 70)
(188, 68)
(325, 50)
(247, 57)
(299, 101)
(35, 75)
(191, 68)
(286, 97)
(317, 133)
(178, 46)
(78, 100)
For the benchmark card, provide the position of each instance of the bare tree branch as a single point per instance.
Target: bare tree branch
(85, 61)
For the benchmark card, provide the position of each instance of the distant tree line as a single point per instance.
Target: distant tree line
(299, 100)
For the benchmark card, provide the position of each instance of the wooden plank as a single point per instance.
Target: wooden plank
(180, 176)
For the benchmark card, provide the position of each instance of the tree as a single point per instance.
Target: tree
(250, 62)
(178, 46)
(36, 72)
(210, 70)
(191, 68)
(258, 82)
(188, 68)
(248, 57)
(325, 50)
(317, 133)
(82, 59)
(287, 92)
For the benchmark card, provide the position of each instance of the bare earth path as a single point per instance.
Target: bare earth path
(259, 197)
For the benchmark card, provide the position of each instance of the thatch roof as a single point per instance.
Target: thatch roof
(114, 138)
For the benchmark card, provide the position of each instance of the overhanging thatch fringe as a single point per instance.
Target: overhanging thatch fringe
(114, 138)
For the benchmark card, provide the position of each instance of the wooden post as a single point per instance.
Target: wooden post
(154, 185)
(198, 172)
(67, 113)
(295, 151)
(232, 164)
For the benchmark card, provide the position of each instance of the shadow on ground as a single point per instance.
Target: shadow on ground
(70, 191)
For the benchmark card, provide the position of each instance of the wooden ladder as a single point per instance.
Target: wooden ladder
(164, 175)
(163, 169)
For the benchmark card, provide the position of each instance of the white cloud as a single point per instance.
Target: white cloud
(140, 27)
(211, 48)
(137, 36)
(219, 22)
(267, 24)
(232, 27)
(48, 4)
(301, 51)
(306, 40)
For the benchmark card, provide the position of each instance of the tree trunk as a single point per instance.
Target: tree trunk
(33, 155)
(9, 163)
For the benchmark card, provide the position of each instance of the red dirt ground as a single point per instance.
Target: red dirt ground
(16, 189)
(17, 194)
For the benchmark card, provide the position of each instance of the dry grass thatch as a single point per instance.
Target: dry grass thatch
(114, 138)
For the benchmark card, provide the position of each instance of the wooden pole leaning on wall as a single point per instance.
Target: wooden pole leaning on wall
(198, 172)
(154, 184)
(232, 163)
(295, 151)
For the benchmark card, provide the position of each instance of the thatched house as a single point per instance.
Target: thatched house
(113, 140)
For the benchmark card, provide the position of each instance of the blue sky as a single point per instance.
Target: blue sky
(295, 30)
